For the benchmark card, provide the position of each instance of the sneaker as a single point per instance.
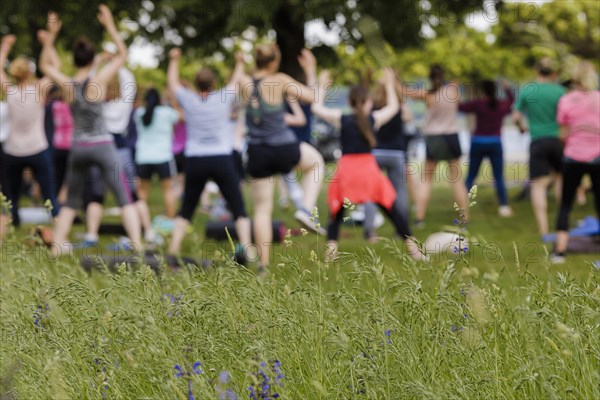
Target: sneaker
(556, 258)
(505, 211)
(305, 219)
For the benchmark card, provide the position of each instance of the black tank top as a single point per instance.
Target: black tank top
(353, 142)
(391, 136)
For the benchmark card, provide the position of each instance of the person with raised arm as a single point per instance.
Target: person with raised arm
(208, 148)
(92, 143)
(358, 178)
(440, 129)
(273, 147)
(27, 145)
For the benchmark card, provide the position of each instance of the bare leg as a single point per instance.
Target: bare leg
(243, 229)
(557, 187)
(539, 202)
(62, 227)
(142, 207)
(169, 197)
(93, 218)
(179, 230)
(312, 165)
(131, 222)
(423, 190)
(262, 195)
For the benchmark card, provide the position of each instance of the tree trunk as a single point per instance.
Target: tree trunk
(288, 23)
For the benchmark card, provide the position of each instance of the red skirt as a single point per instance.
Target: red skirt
(360, 180)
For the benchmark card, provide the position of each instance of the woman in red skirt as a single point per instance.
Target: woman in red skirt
(358, 178)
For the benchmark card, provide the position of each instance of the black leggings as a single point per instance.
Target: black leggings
(61, 159)
(43, 173)
(223, 171)
(572, 174)
(394, 214)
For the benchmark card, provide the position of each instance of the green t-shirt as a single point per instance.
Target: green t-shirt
(539, 102)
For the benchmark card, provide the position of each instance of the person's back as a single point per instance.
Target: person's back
(352, 141)
(26, 120)
(391, 136)
(154, 141)
(265, 120)
(539, 101)
(207, 122)
(88, 118)
(580, 111)
(440, 117)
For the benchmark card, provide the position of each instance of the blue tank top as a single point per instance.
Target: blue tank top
(352, 140)
(266, 124)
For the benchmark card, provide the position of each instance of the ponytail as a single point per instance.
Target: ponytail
(489, 90)
(152, 100)
(358, 96)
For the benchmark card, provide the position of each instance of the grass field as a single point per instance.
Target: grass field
(498, 323)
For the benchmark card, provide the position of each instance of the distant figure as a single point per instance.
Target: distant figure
(538, 100)
(486, 141)
(440, 129)
(27, 145)
(579, 119)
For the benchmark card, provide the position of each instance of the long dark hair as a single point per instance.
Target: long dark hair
(436, 75)
(489, 91)
(357, 97)
(151, 100)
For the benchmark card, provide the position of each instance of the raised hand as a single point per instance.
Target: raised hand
(239, 57)
(324, 77)
(105, 16)
(175, 53)
(42, 36)
(54, 23)
(7, 43)
(307, 60)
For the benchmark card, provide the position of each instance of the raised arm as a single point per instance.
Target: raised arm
(238, 72)
(173, 70)
(49, 65)
(332, 116)
(296, 90)
(5, 46)
(392, 107)
(108, 72)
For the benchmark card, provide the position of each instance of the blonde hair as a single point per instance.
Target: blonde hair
(20, 69)
(584, 74)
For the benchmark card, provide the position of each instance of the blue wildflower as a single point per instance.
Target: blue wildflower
(224, 377)
(179, 372)
(465, 249)
(196, 367)
(455, 249)
(453, 328)
(456, 222)
(252, 393)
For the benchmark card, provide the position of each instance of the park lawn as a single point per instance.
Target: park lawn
(372, 325)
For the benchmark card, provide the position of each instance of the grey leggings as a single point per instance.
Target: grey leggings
(394, 163)
(103, 155)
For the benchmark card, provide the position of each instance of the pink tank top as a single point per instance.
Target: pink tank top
(26, 120)
(179, 137)
(440, 118)
(63, 125)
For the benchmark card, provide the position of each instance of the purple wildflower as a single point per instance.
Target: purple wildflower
(179, 372)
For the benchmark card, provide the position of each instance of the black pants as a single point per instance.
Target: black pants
(572, 174)
(394, 214)
(220, 169)
(61, 159)
(43, 173)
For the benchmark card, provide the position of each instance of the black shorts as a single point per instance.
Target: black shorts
(239, 163)
(545, 156)
(164, 170)
(265, 160)
(443, 147)
(179, 162)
